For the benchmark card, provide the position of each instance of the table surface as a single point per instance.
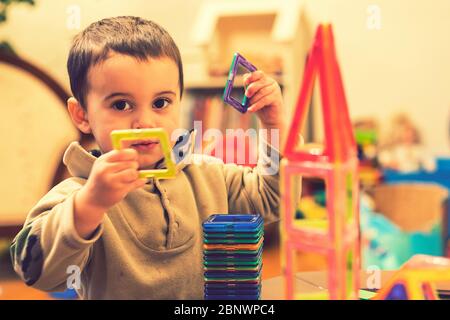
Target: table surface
(316, 282)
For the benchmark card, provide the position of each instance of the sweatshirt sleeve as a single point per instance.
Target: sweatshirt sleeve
(49, 244)
(255, 190)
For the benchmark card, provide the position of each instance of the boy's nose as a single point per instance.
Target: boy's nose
(144, 120)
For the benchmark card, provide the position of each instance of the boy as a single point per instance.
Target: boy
(129, 239)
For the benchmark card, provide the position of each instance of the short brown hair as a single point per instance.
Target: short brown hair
(127, 35)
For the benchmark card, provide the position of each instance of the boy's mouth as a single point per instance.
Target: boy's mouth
(144, 145)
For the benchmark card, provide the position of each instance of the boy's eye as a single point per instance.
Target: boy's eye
(121, 105)
(161, 103)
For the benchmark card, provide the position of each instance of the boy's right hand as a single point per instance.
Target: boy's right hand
(113, 175)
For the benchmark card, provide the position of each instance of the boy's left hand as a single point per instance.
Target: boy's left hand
(265, 99)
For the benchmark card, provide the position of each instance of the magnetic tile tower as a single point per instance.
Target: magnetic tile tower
(337, 237)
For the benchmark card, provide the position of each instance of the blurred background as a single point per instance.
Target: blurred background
(393, 55)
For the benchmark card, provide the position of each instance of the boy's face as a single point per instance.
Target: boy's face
(126, 93)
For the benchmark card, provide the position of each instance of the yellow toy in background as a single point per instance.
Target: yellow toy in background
(310, 209)
(417, 279)
(118, 136)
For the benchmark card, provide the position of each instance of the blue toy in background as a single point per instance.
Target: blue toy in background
(69, 294)
(388, 247)
(440, 176)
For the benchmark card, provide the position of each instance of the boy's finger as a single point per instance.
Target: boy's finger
(245, 77)
(127, 176)
(254, 76)
(260, 104)
(139, 183)
(127, 154)
(118, 166)
(264, 91)
(255, 87)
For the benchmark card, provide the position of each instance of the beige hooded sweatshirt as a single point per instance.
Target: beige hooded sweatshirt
(149, 245)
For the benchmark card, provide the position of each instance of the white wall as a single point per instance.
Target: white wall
(405, 66)
(40, 32)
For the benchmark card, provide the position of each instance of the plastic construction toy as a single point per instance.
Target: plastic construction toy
(337, 236)
(238, 60)
(232, 264)
(118, 136)
(416, 279)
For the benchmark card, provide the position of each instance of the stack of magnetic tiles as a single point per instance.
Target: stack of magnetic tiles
(232, 256)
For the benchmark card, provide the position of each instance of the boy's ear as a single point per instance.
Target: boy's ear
(78, 115)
